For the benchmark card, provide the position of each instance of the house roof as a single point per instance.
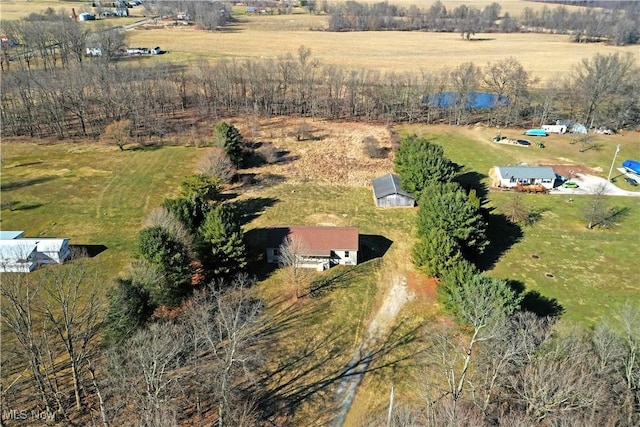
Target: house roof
(22, 246)
(10, 235)
(318, 241)
(46, 244)
(388, 184)
(14, 250)
(525, 172)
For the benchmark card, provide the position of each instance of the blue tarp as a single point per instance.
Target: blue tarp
(474, 100)
(632, 166)
(536, 132)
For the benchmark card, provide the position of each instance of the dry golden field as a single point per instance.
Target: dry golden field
(13, 10)
(544, 55)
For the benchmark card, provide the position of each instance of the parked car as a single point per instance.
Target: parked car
(631, 181)
(570, 184)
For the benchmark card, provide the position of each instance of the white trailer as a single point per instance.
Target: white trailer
(555, 128)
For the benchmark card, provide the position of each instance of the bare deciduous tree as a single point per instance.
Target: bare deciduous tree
(292, 254)
(596, 211)
(19, 317)
(222, 323)
(144, 372)
(73, 310)
(516, 210)
(547, 395)
(217, 164)
(118, 133)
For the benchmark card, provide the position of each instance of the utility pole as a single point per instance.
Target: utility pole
(390, 407)
(613, 162)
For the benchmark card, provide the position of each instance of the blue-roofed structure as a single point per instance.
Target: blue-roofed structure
(511, 176)
(387, 192)
(474, 100)
(10, 235)
(632, 166)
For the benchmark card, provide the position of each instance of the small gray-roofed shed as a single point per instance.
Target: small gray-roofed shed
(387, 192)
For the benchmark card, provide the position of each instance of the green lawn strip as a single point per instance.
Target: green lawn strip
(92, 195)
(589, 272)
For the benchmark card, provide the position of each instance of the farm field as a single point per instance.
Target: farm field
(271, 36)
(386, 51)
(16, 9)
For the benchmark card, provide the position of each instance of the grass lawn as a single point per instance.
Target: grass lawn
(589, 272)
(324, 330)
(594, 271)
(92, 194)
(95, 194)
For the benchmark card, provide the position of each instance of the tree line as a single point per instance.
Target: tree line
(619, 26)
(87, 97)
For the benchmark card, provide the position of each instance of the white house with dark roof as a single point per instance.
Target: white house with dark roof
(23, 255)
(511, 176)
(320, 247)
(387, 192)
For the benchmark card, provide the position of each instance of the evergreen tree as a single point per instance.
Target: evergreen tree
(420, 163)
(223, 242)
(130, 307)
(228, 137)
(159, 248)
(447, 207)
(479, 299)
(436, 252)
(197, 193)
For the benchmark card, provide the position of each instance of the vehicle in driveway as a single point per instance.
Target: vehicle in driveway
(631, 181)
(570, 184)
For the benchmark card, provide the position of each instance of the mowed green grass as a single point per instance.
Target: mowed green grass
(594, 271)
(89, 193)
(591, 273)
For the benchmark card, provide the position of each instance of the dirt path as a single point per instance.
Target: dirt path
(397, 296)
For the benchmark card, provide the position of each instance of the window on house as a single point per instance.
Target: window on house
(346, 254)
(276, 252)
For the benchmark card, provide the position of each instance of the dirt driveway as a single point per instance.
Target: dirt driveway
(379, 327)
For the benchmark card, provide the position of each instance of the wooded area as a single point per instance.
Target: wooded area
(618, 23)
(44, 96)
